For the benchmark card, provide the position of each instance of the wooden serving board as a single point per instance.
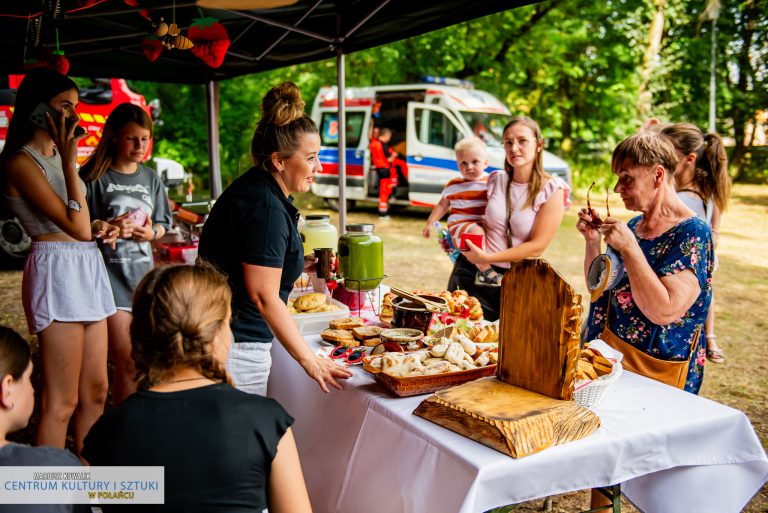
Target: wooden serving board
(539, 330)
(509, 419)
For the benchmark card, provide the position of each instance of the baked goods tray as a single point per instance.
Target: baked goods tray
(418, 385)
(314, 323)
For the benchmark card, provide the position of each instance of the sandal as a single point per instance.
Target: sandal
(488, 278)
(715, 355)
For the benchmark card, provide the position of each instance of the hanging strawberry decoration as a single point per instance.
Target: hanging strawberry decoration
(152, 47)
(59, 62)
(51, 59)
(211, 40)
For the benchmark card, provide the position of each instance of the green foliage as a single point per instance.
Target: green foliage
(571, 65)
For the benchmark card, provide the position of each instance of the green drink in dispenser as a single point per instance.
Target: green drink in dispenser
(361, 257)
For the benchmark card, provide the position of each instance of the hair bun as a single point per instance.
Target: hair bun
(282, 104)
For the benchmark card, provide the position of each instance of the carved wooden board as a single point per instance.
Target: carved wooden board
(507, 418)
(539, 330)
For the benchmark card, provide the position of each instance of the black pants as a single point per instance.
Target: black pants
(463, 277)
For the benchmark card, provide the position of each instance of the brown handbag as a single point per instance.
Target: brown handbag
(670, 372)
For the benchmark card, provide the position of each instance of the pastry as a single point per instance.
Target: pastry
(339, 337)
(372, 342)
(347, 323)
(366, 332)
(309, 301)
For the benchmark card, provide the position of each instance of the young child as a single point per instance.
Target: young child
(466, 198)
(121, 188)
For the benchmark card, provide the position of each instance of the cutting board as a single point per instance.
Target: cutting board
(539, 329)
(507, 418)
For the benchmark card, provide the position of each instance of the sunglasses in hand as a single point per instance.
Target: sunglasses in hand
(596, 221)
(351, 355)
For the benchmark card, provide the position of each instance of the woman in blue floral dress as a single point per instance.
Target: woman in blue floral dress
(660, 304)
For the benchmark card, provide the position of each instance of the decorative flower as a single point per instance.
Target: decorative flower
(701, 357)
(624, 297)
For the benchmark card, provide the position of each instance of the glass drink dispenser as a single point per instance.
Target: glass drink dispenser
(318, 232)
(361, 257)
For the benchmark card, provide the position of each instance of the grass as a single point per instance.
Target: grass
(741, 286)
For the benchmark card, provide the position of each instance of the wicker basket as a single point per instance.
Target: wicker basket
(591, 393)
(418, 385)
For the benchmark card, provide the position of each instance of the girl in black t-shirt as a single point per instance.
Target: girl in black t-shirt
(222, 449)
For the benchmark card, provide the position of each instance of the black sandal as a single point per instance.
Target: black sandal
(488, 278)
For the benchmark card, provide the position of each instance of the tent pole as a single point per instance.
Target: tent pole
(342, 117)
(214, 162)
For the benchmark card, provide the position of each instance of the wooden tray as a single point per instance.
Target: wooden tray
(418, 385)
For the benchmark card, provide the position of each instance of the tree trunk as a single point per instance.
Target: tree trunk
(655, 33)
(746, 75)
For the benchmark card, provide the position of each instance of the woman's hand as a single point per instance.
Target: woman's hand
(586, 227)
(310, 263)
(108, 233)
(618, 235)
(125, 224)
(427, 231)
(64, 138)
(476, 254)
(144, 233)
(325, 371)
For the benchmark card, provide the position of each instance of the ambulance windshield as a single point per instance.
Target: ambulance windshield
(488, 127)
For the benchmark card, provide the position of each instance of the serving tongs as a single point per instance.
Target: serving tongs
(431, 306)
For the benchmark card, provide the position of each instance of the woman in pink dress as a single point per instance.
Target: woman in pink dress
(525, 208)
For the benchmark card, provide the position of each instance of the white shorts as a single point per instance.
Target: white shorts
(249, 364)
(66, 282)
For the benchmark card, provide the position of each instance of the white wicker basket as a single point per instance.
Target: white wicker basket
(591, 393)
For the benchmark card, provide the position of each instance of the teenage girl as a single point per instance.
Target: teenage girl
(703, 183)
(65, 289)
(129, 193)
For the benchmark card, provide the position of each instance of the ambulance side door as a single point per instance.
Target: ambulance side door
(432, 132)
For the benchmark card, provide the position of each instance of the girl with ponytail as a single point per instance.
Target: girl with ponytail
(702, 183)
(181, 338)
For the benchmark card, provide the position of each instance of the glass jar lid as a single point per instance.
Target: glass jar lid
(318, 217)
(359, 228)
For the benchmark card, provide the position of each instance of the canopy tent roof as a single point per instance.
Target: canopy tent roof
(103, 37)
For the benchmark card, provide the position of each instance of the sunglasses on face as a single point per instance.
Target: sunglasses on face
(596, 221)
(351, 355)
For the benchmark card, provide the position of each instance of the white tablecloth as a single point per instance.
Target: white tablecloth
(362, 449)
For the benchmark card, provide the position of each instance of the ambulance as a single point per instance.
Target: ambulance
(427, 120)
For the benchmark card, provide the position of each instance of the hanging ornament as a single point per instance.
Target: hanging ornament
(173, 30)
(182, 42)
(211, 40)
(57, 60)
(162, 28)
(152, 47)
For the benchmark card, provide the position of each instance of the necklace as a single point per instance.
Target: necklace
(183, 380)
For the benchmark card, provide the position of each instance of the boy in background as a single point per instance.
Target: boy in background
(466, 198)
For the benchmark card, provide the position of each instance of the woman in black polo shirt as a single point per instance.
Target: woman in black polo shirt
(252, 236)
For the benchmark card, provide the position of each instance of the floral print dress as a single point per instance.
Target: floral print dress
(685, 246)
